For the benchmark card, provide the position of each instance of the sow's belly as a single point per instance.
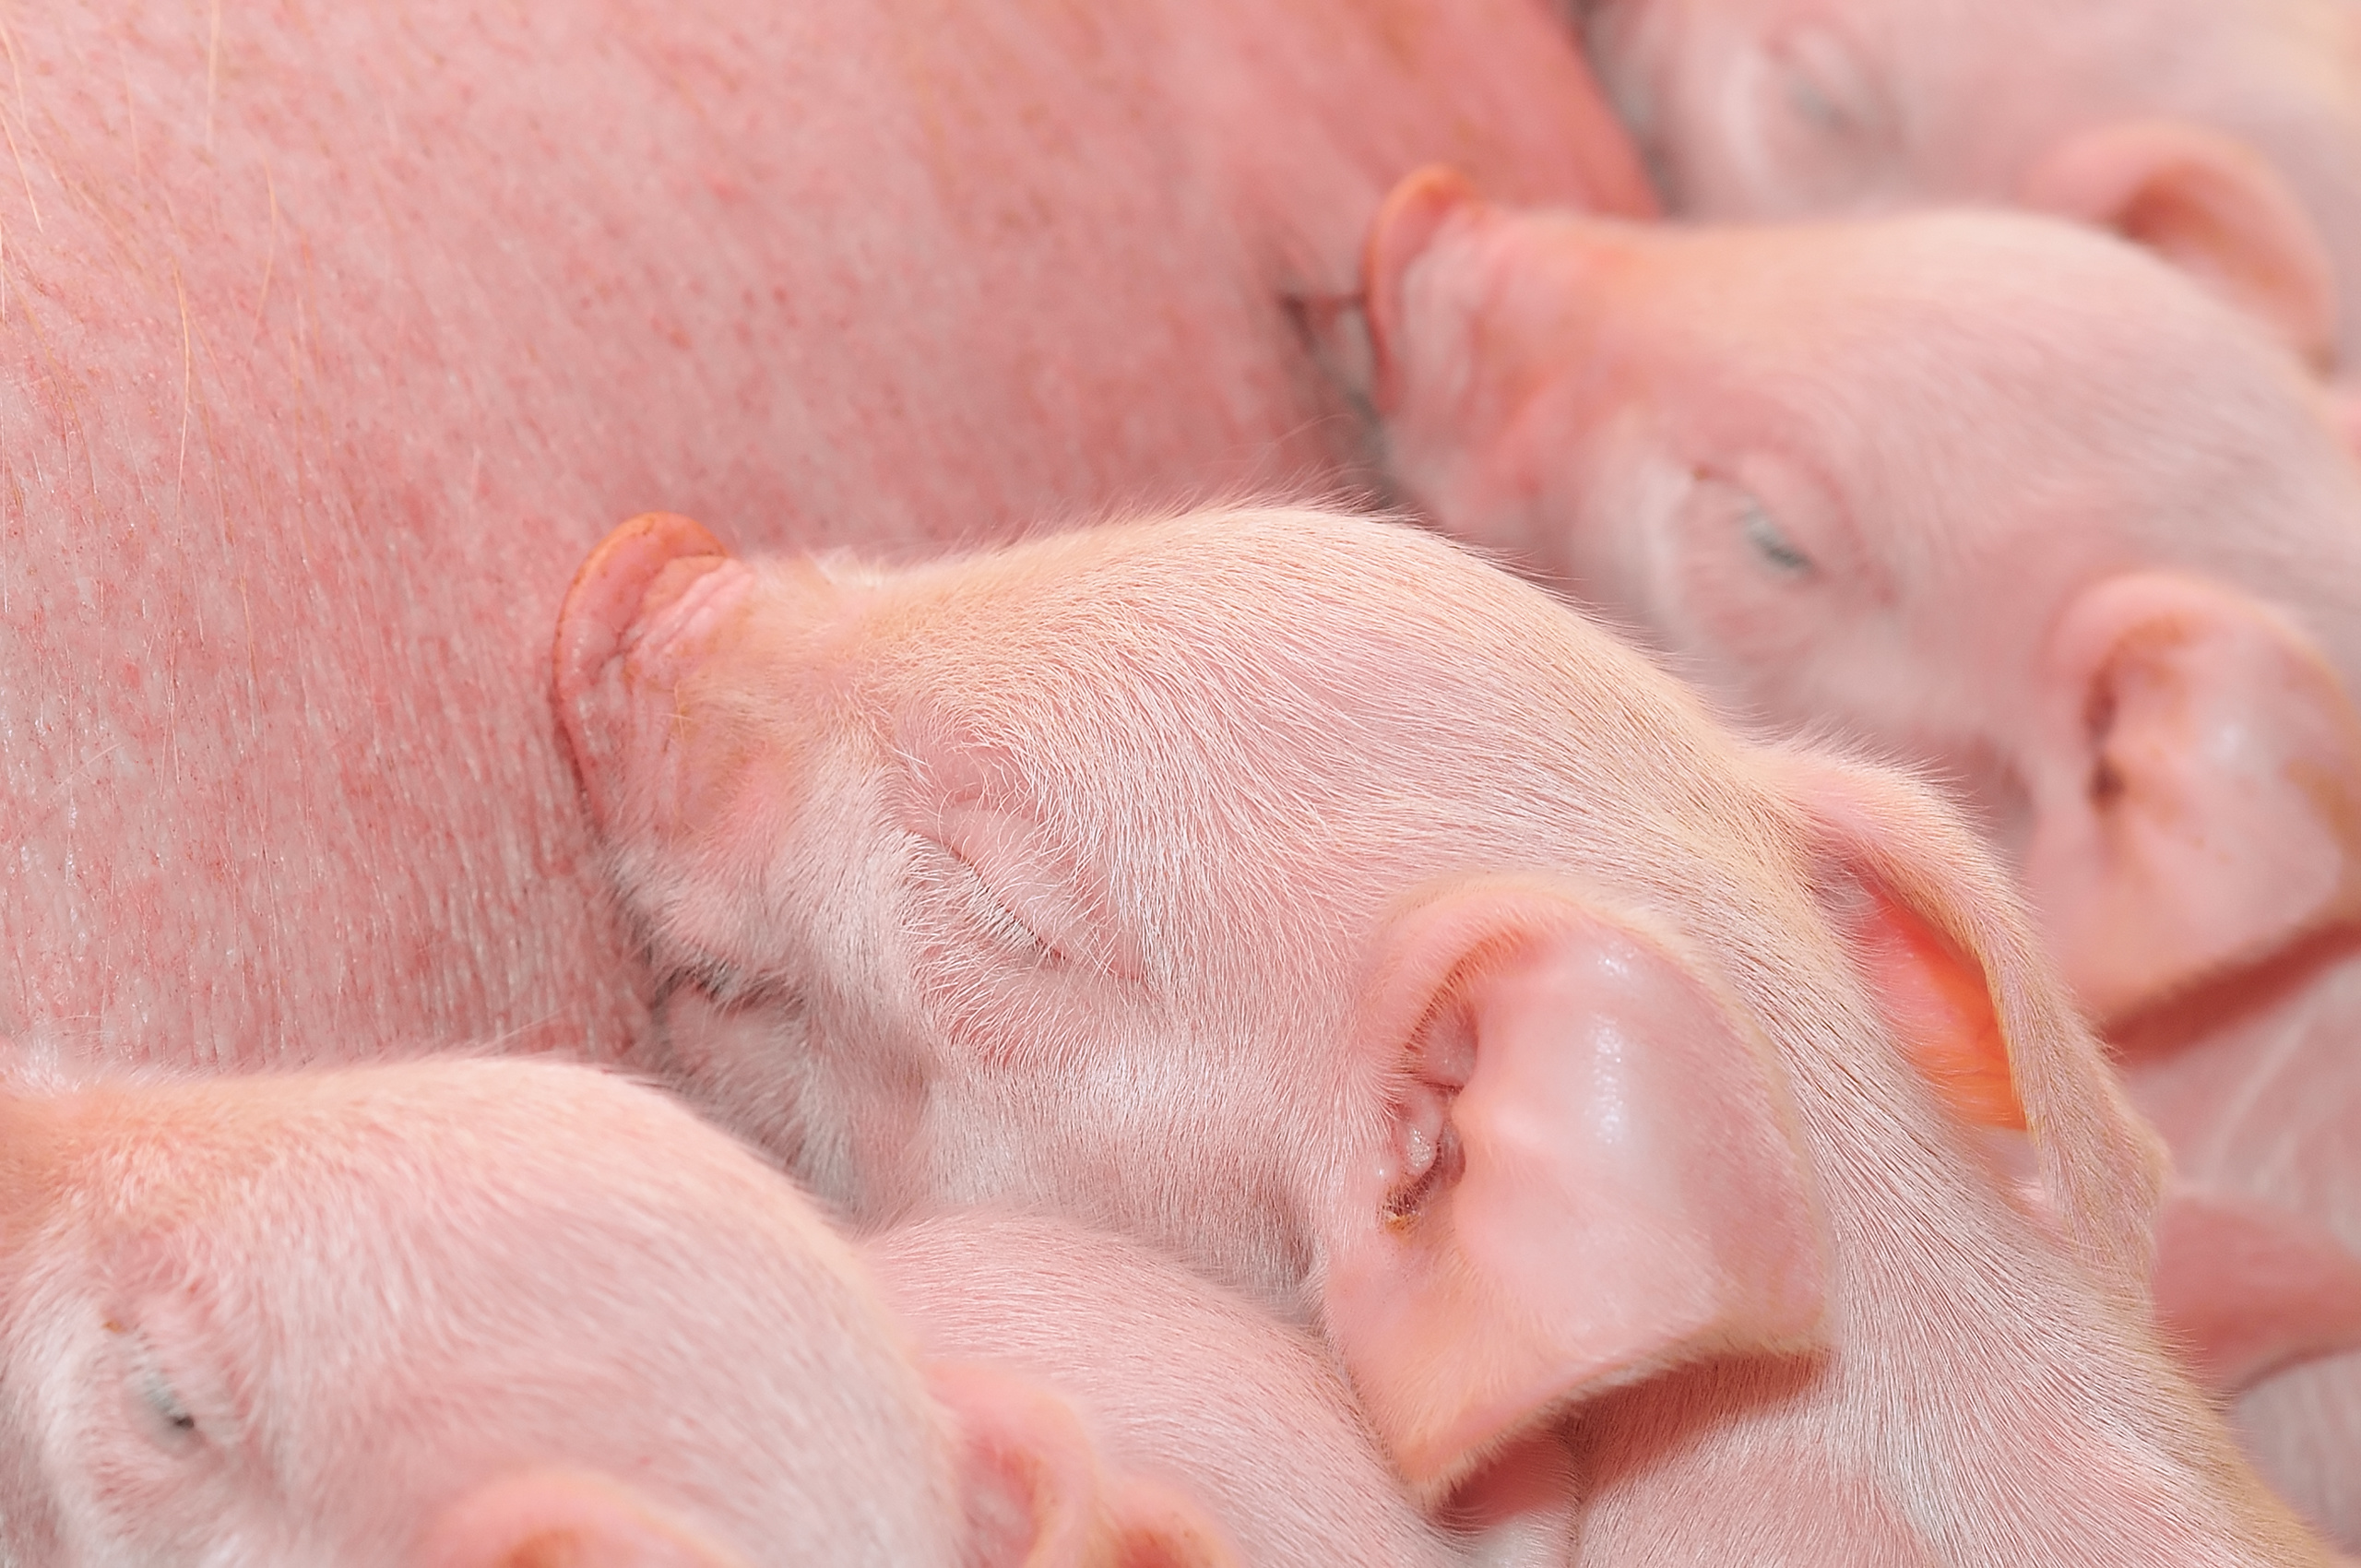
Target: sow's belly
(334, 338)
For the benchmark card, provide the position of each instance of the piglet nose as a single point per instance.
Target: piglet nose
(611, 592)
(1413, 212)
(639, 571)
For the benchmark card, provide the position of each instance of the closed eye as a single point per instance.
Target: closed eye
(1824, 84)
(1024, 888)
(1000, 924)
(1775, 548)
(158, 1405)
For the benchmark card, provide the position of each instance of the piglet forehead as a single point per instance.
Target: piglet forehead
(1303, 620)
(1338, 690)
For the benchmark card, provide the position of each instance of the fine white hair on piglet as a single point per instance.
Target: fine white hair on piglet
(1299, 895)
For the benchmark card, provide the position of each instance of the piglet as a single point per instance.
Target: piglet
(2015, 504)
(1173, 1376)
(1298, 895)
(2224, 134)
(486, 1314)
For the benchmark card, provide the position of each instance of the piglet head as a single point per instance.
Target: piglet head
(1041, 876)
(1754, 450)
(2197, 789)
(1353, 921)
(359, 1317)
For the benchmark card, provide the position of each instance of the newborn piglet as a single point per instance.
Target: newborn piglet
(486, 1314)
(1367, 930)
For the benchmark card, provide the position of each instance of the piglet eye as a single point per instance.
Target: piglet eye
(1817, 130)
(151, 1393)
(166, 1408)
(1027, 890)
(1775, 548)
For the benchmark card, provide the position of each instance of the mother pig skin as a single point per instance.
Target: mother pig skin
(473, 1313)
(334, 337)
(1303, 896)
(2018, 505)
(2227, 134)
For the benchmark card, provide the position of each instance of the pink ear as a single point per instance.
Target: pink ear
(1940, 1006)
(2200, 804)
(1594, 1176)
(2244, 1288)
(1939, 939)
(558, 1519)
(2208, 205)
(1033, 1493)
(1413, 212)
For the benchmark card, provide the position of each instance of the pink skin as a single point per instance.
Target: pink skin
(2225, 133)
(334, 338)
(1174, 1376)
(2023, 508)
(1298, 895)
(472, 1313)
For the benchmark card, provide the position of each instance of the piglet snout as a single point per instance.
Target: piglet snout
(1414, 212)
(639, 613)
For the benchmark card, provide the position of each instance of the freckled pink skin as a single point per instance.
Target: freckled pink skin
(1228, 751)
(1966, 420)
(373, 1290)
(1785, 108)
(333, 337)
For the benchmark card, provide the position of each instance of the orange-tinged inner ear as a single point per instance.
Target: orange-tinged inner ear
(1938, 1005)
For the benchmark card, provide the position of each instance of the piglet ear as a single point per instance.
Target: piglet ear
(1154, 1526)
(544, 1518)
(2208, 205)
(2244, 1288)
(1033, 1493)
(1935, 932)
(1413, 212)
(1593, 1175)
(2198, 798)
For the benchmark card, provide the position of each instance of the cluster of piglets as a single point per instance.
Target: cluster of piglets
(1816, 1033)
(2068, 525)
